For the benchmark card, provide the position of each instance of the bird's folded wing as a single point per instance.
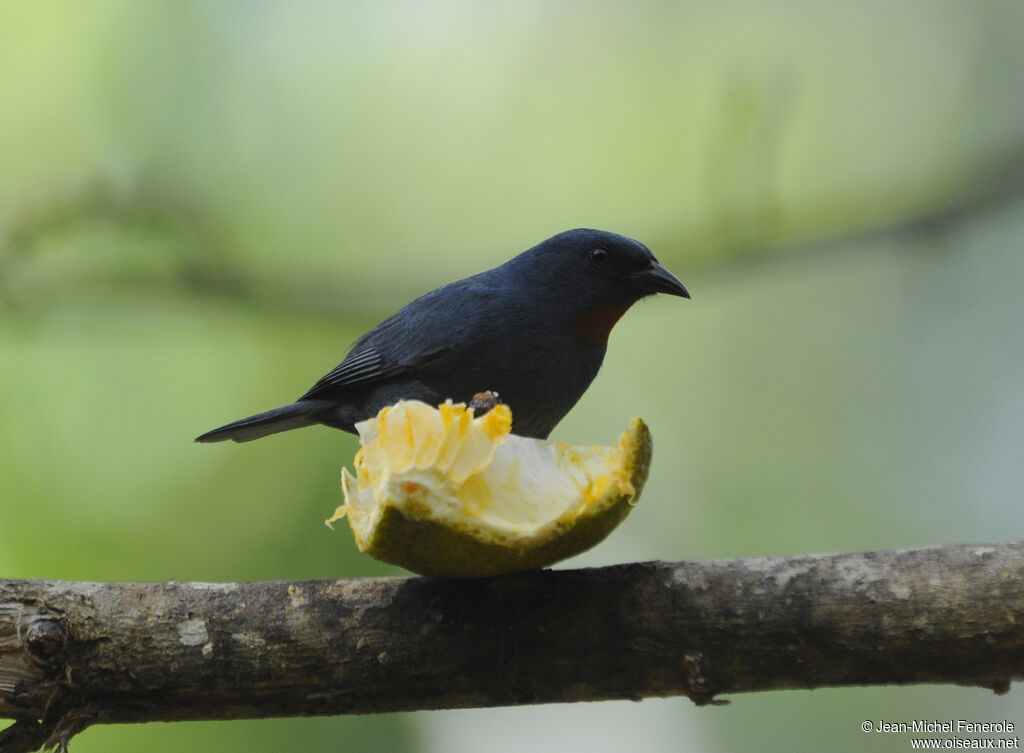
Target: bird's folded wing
(366, 365)
(432, 328)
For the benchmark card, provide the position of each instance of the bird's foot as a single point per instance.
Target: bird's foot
(482, 402)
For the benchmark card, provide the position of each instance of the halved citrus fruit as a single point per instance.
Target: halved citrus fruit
(444, 493)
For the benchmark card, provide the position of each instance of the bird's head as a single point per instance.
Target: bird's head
(600, 274)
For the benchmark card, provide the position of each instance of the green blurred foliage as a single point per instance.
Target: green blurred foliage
(203, 203)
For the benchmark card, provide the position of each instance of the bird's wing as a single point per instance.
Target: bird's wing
(396, 346)
(368, 364)
(434, 328)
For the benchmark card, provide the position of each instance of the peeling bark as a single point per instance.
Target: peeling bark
(75, 654)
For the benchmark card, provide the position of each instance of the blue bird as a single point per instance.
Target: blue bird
(533, 330)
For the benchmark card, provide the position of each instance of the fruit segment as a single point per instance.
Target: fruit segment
(442, 492)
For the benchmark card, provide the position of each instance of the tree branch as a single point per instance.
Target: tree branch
(202, 259)
(74, 654)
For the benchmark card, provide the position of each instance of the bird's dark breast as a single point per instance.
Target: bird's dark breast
(539, 371)
(541, 384)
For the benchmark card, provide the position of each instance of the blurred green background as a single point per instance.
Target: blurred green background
(203, 203)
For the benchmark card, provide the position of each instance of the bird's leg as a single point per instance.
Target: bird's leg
(482, 402)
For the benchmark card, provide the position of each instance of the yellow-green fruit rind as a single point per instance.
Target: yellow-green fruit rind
(442, 549)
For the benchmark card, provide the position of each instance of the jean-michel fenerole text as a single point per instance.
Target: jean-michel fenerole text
(943, 725)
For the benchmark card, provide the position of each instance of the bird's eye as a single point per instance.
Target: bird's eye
(599, 257)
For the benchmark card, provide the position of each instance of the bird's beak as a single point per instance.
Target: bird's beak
(657, 279)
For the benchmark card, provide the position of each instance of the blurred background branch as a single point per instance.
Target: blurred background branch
(199, 262)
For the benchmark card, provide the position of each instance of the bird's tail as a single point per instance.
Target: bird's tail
(291, 416)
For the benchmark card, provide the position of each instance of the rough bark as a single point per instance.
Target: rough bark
(74, 654)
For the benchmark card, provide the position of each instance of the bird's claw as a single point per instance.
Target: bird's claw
(483, 402)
